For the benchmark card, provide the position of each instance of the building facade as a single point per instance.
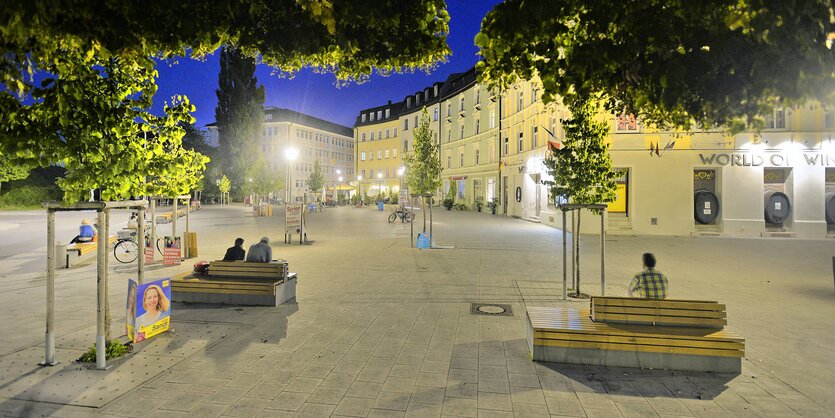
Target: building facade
(778, 182)
(313, 139)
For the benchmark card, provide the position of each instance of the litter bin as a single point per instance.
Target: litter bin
(60, 255)
(380, 206)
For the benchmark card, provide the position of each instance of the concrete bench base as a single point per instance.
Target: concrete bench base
(283, 292)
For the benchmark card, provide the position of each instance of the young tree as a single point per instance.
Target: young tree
(668, 62)
(316, 180)
(224, 187)
(264, 180)
(423, 163)
(11, 170)
(239, 113)
(581, 167)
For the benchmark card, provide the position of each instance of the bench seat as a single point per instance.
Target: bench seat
(247, 269)
(671, 312)
(188, 287)
(569, 335)
(81, 251)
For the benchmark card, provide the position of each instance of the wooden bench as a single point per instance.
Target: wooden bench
(81, 251)
(671, 312)
(237, 283)
(569, 335)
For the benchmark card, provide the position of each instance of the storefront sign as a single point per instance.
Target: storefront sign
(769, 159)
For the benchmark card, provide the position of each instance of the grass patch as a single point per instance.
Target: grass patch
(114, 349)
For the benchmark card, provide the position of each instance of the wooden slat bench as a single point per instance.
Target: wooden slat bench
(237, 283)
(672, 312)
(81, 251)
(569, 335)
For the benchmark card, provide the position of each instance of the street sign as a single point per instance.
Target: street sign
(292, 218)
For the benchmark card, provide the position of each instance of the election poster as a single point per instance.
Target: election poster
(172, 253)
(148, 309)
(293, 219)
(149, 251)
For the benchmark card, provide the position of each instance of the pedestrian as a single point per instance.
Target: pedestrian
(235, 252)
(86, 232)
(260, 252)
(649, 283)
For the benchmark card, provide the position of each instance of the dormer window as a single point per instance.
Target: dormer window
(408, 102)
(388, 113)
(379, 114)
(268, 116)
(363, 118)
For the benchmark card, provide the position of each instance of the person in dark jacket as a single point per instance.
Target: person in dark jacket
(237, 252)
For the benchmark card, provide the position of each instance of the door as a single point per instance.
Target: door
(621, 202)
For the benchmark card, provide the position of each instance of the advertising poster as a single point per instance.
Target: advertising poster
(149, 251)
(293, 219)
(172, 254)
(148, 309)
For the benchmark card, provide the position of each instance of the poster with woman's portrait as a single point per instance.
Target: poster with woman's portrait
(151, 309)
(171, 253)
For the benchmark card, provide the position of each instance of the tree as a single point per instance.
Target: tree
(581, 167)
(239, 113)
(11, 170)
(264, 180)
(670, 63)
(224, 187)
(423, 163)
(316, 180)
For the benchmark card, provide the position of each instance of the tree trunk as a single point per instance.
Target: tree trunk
(577, 235)
(423, 209)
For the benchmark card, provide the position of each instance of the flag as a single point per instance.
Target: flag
(657, 146)
(670, 145)
(651, 148)
(549, 132)
(554, 145)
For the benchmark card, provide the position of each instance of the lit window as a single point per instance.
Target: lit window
(387, 153)
(363, 137)
(362, 156)
(435, 118)
(379, 155)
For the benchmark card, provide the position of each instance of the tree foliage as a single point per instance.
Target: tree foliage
(316, 179)
(581, 167)
(11, 170)
(423, 164)
(239, 115)
(346, 37)
(722, 62)
(225, 185)
(264, 180)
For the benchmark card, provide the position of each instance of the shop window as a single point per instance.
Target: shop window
(777, 119)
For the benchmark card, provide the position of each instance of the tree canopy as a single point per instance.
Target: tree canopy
(316, 180)
(670, 63)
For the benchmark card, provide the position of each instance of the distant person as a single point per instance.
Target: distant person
(86, 232)
(235, 252)
(650, 283)
(133, 222)
(260, 252)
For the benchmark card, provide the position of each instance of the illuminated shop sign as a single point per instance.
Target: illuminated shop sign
(744, 159)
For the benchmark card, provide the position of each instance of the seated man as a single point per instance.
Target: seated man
(236, 252)
(260, 252)
(650, 283)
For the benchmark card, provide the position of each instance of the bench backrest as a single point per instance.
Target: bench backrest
(275, 269)
(666, 312)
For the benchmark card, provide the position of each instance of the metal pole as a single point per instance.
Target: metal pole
(106, 245)
(49, 343)
(140, 239)
(564, 260)
(602, 256)
(573, 250)
(431, 235)
(154, 229)
(100, 281)
(186, 243)
(174, 221)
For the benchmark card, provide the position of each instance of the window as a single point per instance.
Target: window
(506, 147)
(362, 156)
(363, 173)
(406, 146)
(449, 161)
(388, 113)
(461, 159)
(379, 114)
(521, 100)
(491, 152)
(394, 152)
(478, 95)
(379, 155)
(461, 185)
(492, 119)
(268, 116)
(395, 132)
(777, 120)
(449, 109)
(387, 133)
(521, 141)
(477, 126)
(461, 106)
(534, 137)
(462, 131)
(387, 153)
(371, 116)
(372, 136)
(534, 95)
(371, 156)
(435, 118)
(371, 173)
(627, 123)
(475, 156)
(380, 134)
(405, 124)
(363, 137)
(416, 121)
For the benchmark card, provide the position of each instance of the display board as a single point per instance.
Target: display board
(148, 309)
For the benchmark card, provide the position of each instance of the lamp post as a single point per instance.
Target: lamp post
(337, 192)
(290, 154)
(379, 185)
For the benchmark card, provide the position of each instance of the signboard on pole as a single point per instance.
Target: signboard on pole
(148, 309)
(172, 253)
(292, 219)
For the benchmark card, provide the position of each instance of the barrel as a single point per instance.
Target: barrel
(706, 206)
(777, 207)
(830, 208)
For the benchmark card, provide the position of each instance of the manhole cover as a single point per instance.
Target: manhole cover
(491, 309)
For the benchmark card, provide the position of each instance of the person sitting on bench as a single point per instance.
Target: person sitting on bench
(260, 252)
(650, 283)
(86, 233)
(236, 252)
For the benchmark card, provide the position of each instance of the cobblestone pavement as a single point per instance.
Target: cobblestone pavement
(381, 329)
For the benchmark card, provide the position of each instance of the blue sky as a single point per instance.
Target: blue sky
(316, 94)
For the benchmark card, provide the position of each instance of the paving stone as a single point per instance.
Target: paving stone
(315, 410)
(497, 401)
(527, 395)
(303, 384)
(354, 407)
(398, 384)
(462, 390)
(437, 380)
(288, 401)
(529, 410)
(247, 407)
(360, 389)
(460, 407)
(392, 400)
(327, 395)
(420, 410)
(185, 401)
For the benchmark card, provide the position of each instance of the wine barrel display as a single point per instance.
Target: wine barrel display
(830, 208)
(706, 206)
(777, 207)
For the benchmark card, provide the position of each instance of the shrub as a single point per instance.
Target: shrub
(29, 196)
(114, 349)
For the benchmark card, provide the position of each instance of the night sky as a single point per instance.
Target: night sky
(316, 94)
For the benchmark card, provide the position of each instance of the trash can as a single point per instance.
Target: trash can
(380, 206)
(60, 255)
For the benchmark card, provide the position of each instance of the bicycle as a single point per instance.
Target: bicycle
(126, 248)
(404, 215)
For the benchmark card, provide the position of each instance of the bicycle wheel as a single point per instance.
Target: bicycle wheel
(126, 251)
(393, 217)
(159, 246)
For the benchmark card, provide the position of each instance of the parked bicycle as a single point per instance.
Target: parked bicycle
(126, 248)
(404, 215)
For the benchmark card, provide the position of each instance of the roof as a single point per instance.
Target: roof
(280, 114)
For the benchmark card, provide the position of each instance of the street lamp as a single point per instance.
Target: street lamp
(290, 154)
(340, 188)
(359, 189)
(336, 192)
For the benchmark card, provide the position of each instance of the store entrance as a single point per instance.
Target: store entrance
(621, 202)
